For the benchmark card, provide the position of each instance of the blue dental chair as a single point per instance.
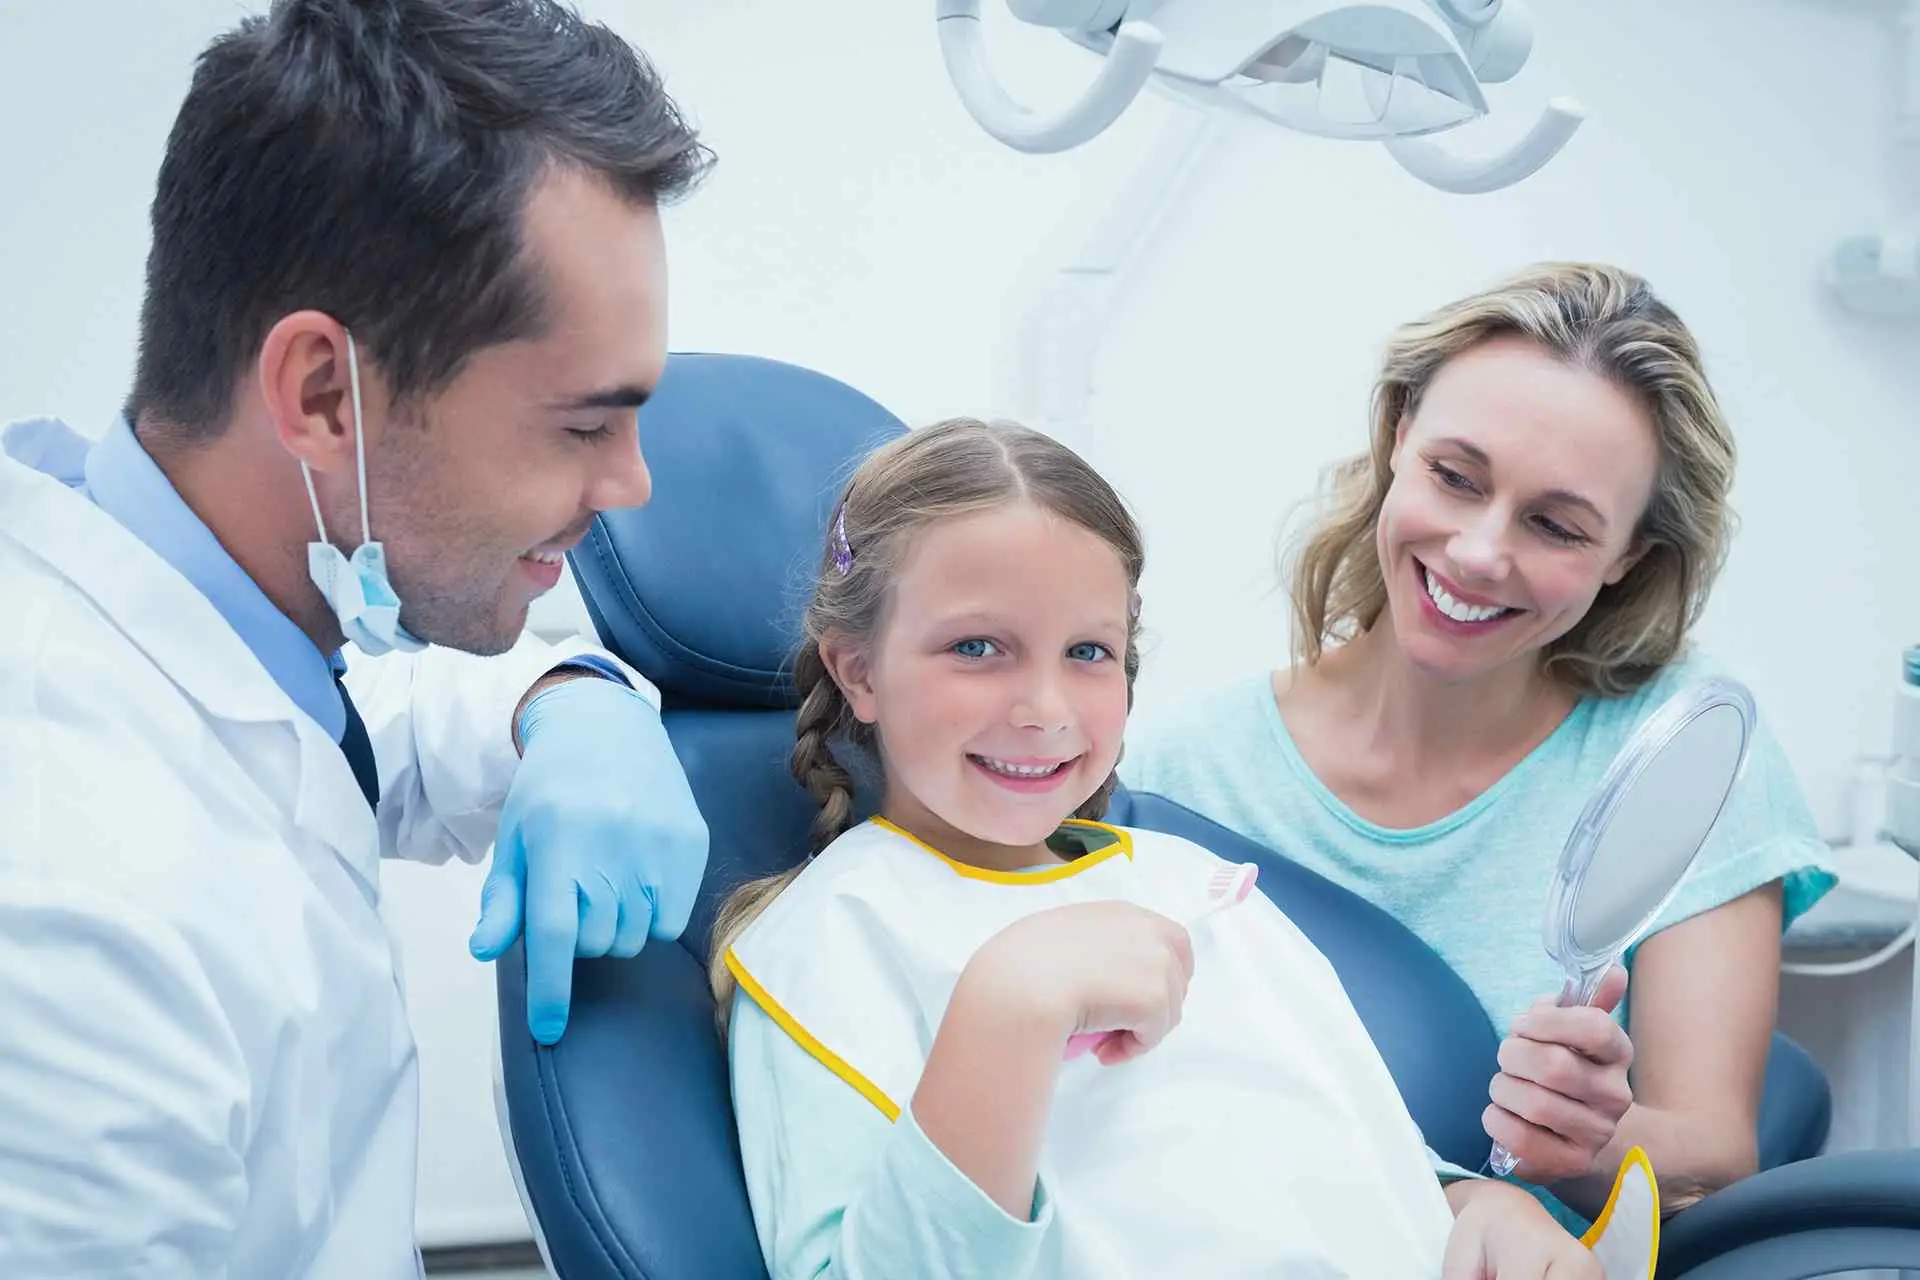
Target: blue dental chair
(622, 1135)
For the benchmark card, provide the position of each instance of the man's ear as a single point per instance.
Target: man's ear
(306, 386)
(850, 668)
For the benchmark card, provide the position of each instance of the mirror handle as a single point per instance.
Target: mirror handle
(1578, 991)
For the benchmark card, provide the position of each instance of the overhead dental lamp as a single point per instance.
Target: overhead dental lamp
(1391, 71)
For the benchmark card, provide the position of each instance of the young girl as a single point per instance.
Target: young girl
(901, 1007)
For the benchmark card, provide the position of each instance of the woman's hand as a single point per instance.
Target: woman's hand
(1092, 967)
(1502, 1233)
(1562, 1087)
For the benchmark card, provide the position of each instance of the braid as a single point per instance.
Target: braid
(823, 715)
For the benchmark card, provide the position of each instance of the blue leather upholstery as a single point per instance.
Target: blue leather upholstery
(623, 1131)
(703, 588)
(1839, 1213)
(1796, 1106)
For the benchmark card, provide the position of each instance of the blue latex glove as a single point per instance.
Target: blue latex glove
(600, 847)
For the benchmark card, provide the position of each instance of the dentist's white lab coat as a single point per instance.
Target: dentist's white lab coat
(205, 1065)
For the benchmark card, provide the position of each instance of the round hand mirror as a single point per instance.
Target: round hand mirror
(1637, 837)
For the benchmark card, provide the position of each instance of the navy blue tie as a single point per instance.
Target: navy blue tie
(358, 749)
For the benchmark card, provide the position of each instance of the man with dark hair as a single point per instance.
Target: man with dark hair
(406, 292)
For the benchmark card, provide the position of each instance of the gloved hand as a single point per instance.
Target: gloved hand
(600, 847)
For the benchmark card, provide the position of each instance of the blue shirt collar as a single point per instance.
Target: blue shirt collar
(126, 484)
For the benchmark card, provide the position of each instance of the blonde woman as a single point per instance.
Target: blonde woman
(1497, 591)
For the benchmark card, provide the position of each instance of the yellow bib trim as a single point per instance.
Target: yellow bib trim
(1122, 844)
(1635, 1158)
(806, 1040)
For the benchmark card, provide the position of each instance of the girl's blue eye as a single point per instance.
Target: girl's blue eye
(1089, 652)
(974, 648)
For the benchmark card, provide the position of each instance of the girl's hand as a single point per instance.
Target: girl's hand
(1502, 1233)
(991, 1073)
(1562, 1087)
(1092, 967)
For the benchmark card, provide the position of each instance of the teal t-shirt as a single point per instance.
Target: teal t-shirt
(1473, 885)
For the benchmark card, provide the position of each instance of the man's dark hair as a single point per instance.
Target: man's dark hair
(372, 159)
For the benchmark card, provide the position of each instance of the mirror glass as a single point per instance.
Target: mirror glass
(1633, 845)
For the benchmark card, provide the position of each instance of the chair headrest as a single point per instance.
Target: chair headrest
(702, 589)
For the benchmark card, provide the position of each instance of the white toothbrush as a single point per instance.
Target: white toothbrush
(1228, 885)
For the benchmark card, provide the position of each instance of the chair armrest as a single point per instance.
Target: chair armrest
(1796, 1108)
(1871, 1197)
(623, 1131)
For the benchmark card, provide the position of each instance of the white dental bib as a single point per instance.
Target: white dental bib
(1263, 1137)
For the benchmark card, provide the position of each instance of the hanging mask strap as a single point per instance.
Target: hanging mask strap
(359, 439)
(359, 451)
(306, 473)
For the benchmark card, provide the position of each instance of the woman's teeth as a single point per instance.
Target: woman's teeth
(1012, 770)
(1455, 609)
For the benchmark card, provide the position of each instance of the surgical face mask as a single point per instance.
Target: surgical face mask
(357, 589)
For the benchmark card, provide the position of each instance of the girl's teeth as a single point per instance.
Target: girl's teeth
(1455, 609)
(1018, 770)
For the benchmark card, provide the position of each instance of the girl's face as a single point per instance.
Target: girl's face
(1518, 484)
(996, 680)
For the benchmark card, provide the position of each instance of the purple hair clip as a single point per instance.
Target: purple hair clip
(842, 550)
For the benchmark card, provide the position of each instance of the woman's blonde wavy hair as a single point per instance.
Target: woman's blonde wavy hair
(954, 468)
(1598, 318)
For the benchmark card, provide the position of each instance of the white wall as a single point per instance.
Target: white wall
(861, 224)
(895, 246)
